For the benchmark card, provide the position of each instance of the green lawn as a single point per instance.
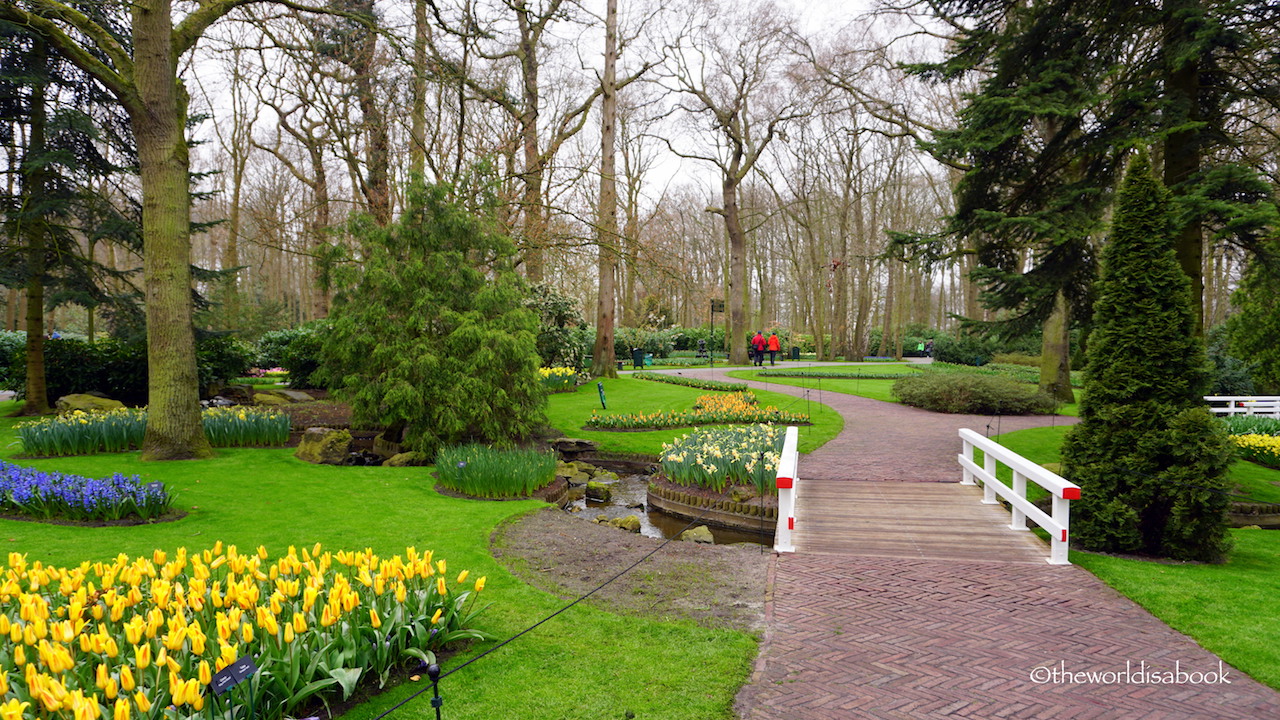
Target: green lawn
(1230, 609)
(862, 387)
(568, 411)
(656, 669)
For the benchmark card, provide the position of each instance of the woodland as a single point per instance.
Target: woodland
(848, 173)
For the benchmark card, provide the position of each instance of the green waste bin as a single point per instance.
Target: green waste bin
(795, 353)
(637, 358)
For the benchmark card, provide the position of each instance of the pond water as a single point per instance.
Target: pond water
(629, 499)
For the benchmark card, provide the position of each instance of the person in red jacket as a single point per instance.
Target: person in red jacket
(758, 345)
(775, 346)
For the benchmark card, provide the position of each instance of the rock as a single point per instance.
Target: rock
(582, 467)
(599, 492)
(636, 506)
(86, 403)
(605, 476)
(564, 469)
(386, 448)
(408, 459)
(630, 523)
(270, 400)
(575, 509)
(242, 394)
(572, 447)
(741, 494)
(294, 395)
(324, 446)
(578, 479)
(602, 518)
(700, 534)
(1251, 527)
(574, 494)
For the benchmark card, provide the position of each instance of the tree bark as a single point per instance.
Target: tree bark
(1182, 146)
(35, 183)
(1055, 351)
(602, 359)
(174, 430)
(735, 332)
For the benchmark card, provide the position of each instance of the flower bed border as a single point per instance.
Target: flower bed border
(722, 512)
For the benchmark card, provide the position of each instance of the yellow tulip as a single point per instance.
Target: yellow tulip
(435, 619)
(19, 656)
(462, 576)
(440, 586)
(246, 633)
(4, 684)
(158, 557)
(480, 583)
(374, 619)
(126, 679)
(204, 673)
(121, 710)
(13, 710)
(142, 656)
(440, 564)
(142, 701)
(299, 622)
(288, 634)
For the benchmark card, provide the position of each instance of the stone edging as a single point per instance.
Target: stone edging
(721, 513)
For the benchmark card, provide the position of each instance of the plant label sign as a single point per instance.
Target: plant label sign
(233, 674)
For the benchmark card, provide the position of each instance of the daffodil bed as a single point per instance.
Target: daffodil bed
(145, 635)
(1262, 449)
(52, 495)
(81, 433)
(718, 457)
(558, 379)
(707, 410)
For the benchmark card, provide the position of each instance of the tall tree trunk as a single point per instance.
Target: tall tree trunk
(319, 226)
(735, 332)
(418, 129)
(1182, 143)
(886, 328)
(534, 218)
(35, 184)
(602, 359)
(174, 430)
(1055, 351)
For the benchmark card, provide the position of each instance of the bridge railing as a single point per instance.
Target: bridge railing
(1056, 524)
(786, 480)
(1268, 405)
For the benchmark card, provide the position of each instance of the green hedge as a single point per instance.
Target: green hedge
(972, 394)
(690, 382)
(834, 375)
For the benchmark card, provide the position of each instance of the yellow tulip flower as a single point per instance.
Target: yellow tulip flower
(19, 656)
(440, 586)
(142, 701)
(246, 633)
(462, 576)
(121, 710)
(13, 710)
(126, 679)
(142, 656)
(435, 619)
(204, 673)
(374, 619)
(288, 634)
(480, 583)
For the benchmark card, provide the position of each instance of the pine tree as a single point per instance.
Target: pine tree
(1254, 329)
(430, 331)
(1148, 455)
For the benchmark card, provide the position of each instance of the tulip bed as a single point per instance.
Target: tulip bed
(146, 635)
(690, 382)
(49, 495)
(81, 433)
(717, 458)
(707, 410)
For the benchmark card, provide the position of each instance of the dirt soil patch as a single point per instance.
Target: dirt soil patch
(720, 586)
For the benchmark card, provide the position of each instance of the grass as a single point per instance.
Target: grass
(567, 412)
(1229, 608)
(862, 387)
(673, 670)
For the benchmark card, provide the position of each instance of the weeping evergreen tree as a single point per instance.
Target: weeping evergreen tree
(1255, 328)
(430, 332)
(1148, 455)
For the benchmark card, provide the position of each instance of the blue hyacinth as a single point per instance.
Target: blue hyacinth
(53, 494)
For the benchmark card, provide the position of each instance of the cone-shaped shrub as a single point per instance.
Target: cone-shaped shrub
(1148, 455)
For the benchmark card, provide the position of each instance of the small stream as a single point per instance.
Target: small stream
(629, 493)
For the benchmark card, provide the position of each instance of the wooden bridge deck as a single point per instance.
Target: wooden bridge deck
(922, 521)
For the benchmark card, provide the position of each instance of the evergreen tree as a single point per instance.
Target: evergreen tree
(1148, 455)
(1255, 328)
(430, 332)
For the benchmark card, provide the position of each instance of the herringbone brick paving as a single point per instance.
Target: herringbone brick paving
(853, 636)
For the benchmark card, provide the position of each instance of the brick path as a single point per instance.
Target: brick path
(855, 636)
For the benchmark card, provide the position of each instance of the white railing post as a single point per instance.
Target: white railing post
(967, 451)
(1057, 524)
(786, 481)
(1019, 489)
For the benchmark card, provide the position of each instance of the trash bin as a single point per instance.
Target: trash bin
(795, 353)
(637, 358)
(621, 363)
(648, 358)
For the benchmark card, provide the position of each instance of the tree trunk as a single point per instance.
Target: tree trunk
(418, 130)
(1182, 146)
(735, 330)
(35, 183)
(602, 359)
(174, 430)
(1055, 352)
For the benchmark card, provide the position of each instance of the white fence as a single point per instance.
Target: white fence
(1023, 469)
(786, 480)
(1268, 405)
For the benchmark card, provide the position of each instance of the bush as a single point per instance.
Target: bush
(11, 345)
(660, 343)
(963, 349)
(564, 340)
(302, 356)
(482, 471)
(272, 344)
(1231, 375)
(972, 394)
(219, 358)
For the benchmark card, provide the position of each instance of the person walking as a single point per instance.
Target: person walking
(758, 344)
(775, 346)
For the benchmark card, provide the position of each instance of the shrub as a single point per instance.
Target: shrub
(716, 458)
(1231, 375)
(972, 394)
(219, 358)
(563, 337)
(52, 495)
(690, 382)
(482, 471)
(272, 344)
(12, 344)
(660, 343)
(302, 356)
(964, 349)
(81, 433)
(316, 625)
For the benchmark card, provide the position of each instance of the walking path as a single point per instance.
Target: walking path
(904, 629)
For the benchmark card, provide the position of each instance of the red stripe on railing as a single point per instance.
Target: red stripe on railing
(1064, 535)
(791, 523)
(1071, 493)
(785, 483)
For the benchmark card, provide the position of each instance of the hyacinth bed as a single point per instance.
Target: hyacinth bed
(81, 433)
(144, 636)
(690, 382)
(715, 458)
(53, 495)
(707, 410)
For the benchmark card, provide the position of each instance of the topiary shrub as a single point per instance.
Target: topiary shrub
(972, 394)
(1149, 457)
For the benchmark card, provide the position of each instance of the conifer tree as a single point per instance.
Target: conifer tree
(1149, 457)
(430, 331)
(1255, 328)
